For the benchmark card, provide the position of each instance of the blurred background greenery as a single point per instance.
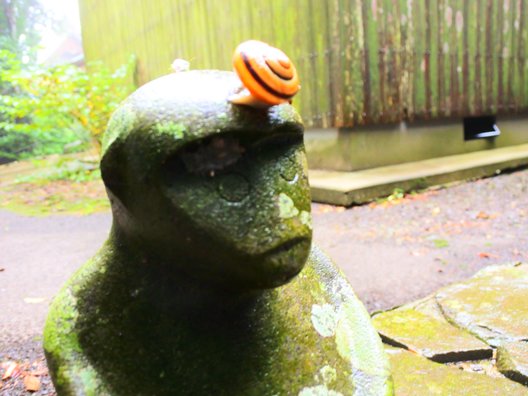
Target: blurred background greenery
(50, 109)
(54, 107)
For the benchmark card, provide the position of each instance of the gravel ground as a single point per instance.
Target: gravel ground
(392, 253)
(400, 251)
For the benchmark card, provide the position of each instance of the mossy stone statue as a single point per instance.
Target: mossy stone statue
(208, 284)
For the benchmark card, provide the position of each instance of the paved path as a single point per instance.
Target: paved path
(38, 254)
(391, 254)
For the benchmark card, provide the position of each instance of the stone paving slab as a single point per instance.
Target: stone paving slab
(512, 361)
(428, 336)
(492, 305)
(415, 375)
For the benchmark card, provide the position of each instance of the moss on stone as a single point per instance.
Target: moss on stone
(512, 361)
(429, 336)
(416, 375)
(491, 305)
(267, 345)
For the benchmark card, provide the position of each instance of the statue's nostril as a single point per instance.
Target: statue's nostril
(233, 187)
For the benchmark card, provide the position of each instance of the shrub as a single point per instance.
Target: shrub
(53, 110)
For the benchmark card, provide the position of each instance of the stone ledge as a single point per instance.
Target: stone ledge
(349, 188)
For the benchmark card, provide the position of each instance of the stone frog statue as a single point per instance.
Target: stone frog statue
(208, 283)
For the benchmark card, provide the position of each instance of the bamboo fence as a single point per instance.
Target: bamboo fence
(360, 62)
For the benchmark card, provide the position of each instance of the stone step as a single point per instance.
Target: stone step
(349, 188)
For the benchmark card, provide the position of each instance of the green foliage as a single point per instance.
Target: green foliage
(58, 109)
(397, 193)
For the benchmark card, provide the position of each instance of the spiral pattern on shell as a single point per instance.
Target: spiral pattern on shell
(266, 72)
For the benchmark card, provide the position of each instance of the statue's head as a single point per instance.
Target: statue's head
(215, 190)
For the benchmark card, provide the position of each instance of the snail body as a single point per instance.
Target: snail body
(267, 75)
(180, 65)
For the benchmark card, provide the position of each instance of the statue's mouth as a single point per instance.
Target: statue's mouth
(285, 247)
(286, 260)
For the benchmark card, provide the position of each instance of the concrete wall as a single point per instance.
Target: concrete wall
(364, 148)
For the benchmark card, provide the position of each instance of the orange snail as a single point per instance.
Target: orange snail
(268, 76)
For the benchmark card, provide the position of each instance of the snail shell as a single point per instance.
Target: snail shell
(268, 76)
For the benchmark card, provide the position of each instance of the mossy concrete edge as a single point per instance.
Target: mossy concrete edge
(350, 188)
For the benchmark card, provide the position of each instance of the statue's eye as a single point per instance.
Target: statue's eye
(215, 155)
(212, 155)
(276, 142)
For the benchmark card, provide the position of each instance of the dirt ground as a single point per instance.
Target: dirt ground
(392, 252)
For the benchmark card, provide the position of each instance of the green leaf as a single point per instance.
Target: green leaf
(440, 243)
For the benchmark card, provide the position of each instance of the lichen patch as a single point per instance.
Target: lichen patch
(177, 130)
(319, 390)
(324, 319)
(287, 208)
(306, 219)
(328, 374)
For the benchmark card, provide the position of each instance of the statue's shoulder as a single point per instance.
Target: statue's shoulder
(336, 312)
(322, 269)
(320, 262)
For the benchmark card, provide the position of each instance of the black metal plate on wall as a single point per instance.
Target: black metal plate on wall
(484, 127)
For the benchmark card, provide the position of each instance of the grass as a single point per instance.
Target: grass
(55, 197)
(58, 185)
